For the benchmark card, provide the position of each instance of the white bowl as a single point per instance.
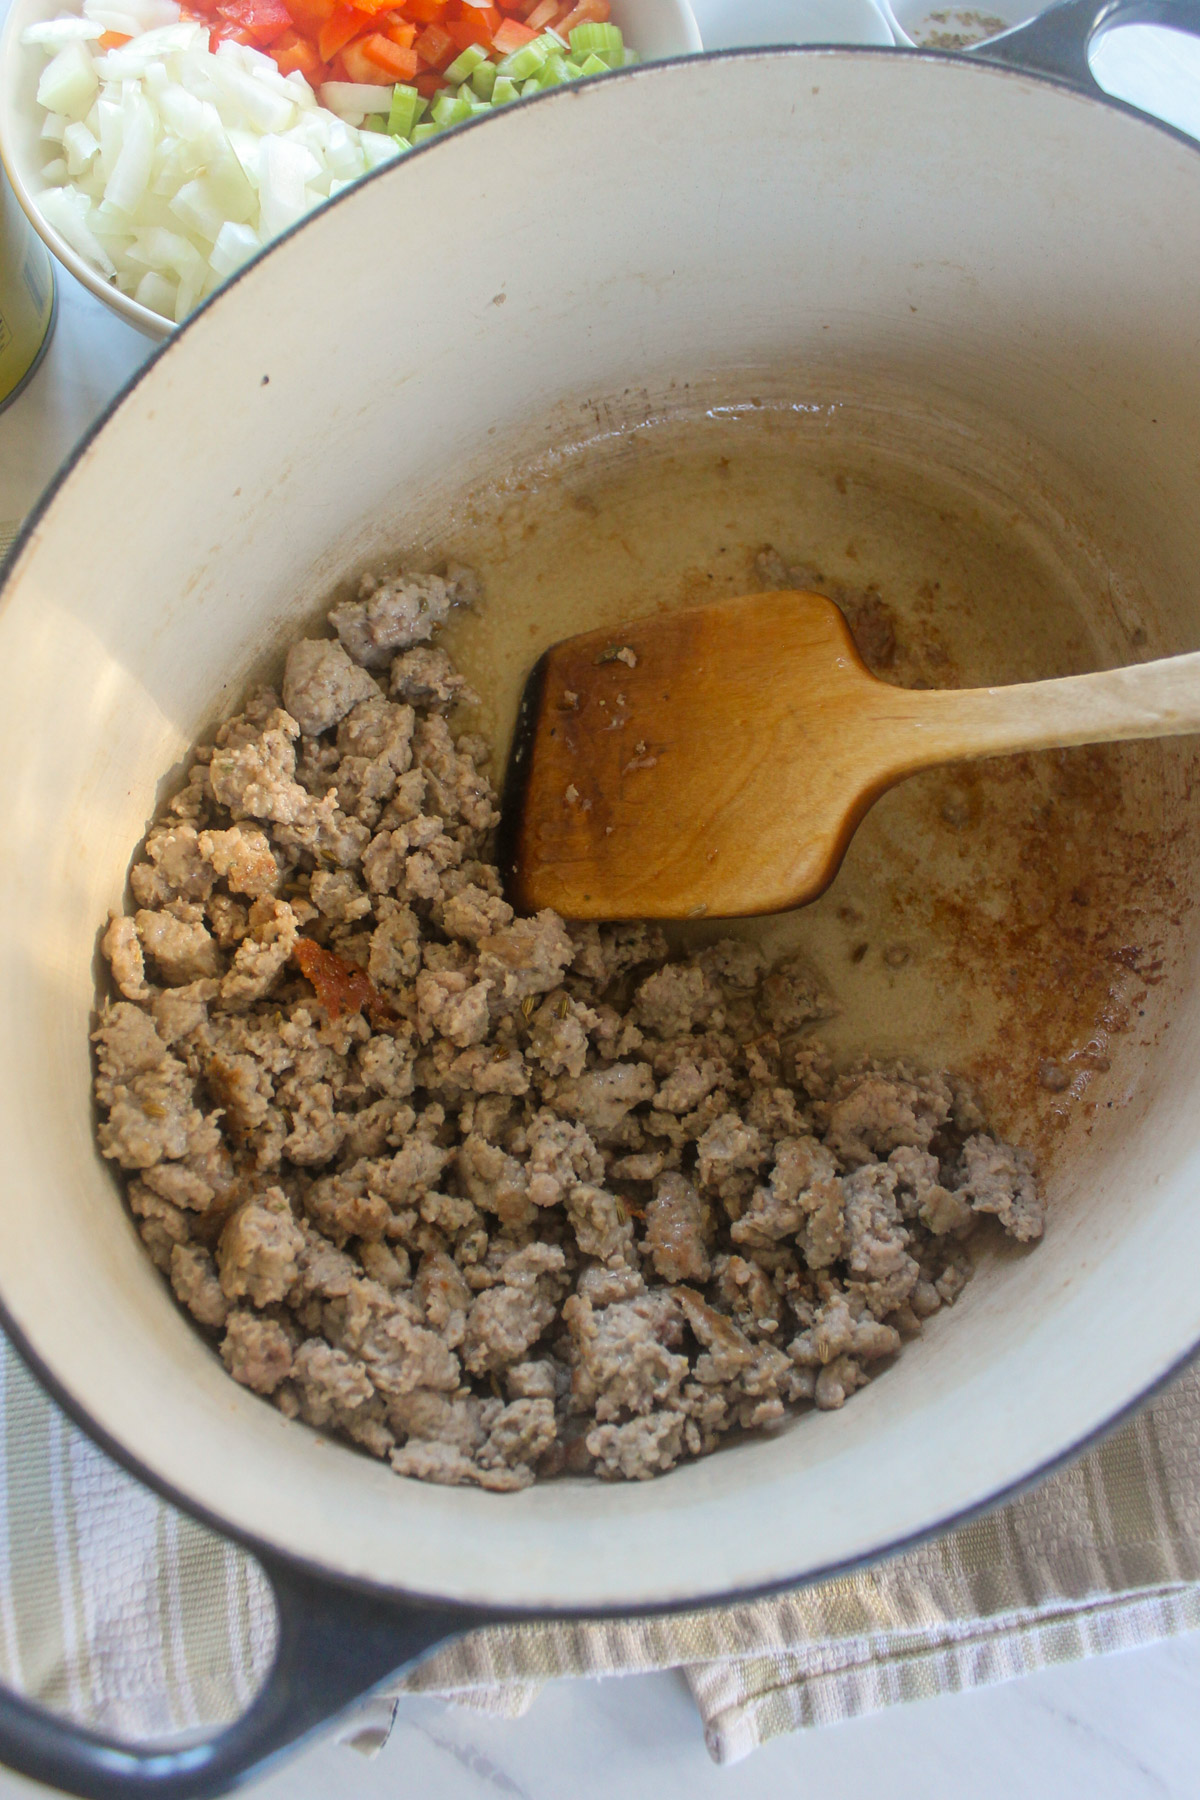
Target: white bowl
(725, 24)
(654, 28)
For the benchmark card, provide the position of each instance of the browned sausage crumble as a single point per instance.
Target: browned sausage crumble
(495, 1198)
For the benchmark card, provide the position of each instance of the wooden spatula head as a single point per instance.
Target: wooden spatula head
(716, 761)
(703, 762)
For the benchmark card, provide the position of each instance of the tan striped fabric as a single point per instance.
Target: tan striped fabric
(124, 1614)
(115, 1608)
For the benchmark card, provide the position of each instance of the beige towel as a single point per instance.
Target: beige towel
(121, 1612)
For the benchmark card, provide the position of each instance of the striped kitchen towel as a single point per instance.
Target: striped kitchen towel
(123, 1613)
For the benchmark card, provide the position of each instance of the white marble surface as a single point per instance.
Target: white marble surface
(1120, 1728)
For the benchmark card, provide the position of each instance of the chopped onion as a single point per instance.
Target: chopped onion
(131, 17)
(378, 147)
(52, 34)
(354, 101)
(235, 245)
(247, 99)
(69, 82)
(67, 210)
(286, 171)
(80, 146)
(156, 292)
(130, 176)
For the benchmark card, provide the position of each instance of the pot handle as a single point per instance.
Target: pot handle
(334, 1646)
(1056, 41)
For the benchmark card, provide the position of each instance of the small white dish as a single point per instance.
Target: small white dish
(942, 25)
(654, 28)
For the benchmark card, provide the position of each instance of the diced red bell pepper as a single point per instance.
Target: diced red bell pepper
(343, 25)
(294, 53)
(511, 36)
(262, 20)
(316, 77)
(308, 16)
(428, 83)
(587, 12)
(358, 67)
(465, 34)
(543, 14)
(225, 33)
(378, 55)
(486, 16)
(427, 12)
(436, 47)
(112, 40)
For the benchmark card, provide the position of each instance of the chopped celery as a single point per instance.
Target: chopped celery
(505, 91)
(483, 79)
(448, 109)
(593, 65)
(532, 86)
(598, 40)
(526, 61)
(401, 143)
(465, 65)
(374, 122)
(422, 133)
(552, 72)
(407, 108)
(631, 57)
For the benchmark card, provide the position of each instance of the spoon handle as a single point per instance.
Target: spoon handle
(1148, 700)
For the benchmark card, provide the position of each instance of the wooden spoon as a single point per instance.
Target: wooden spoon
(716, 761)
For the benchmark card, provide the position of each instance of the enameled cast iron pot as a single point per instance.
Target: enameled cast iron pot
(989, 233)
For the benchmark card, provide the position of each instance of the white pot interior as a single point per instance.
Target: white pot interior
(965, 256)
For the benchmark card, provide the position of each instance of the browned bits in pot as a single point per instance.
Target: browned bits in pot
(340, 986)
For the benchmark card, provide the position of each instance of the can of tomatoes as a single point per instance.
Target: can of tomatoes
(27, 296)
